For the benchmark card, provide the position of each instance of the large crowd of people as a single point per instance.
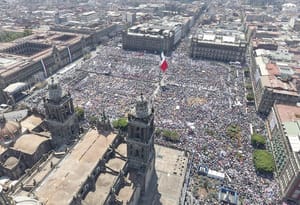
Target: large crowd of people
(199, 99)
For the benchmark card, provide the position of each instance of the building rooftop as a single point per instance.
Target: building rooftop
(15, 87)
(31, 122)
(105, 181)
(29, 143)
(155, 29)
(12, 59)
(290, 118)
(276, 76)
(220, 36)
(288, 113)
(65, 181)
(170, 166)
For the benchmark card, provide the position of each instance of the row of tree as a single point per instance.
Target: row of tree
(263, 160)
(168, 134)
(7, 36)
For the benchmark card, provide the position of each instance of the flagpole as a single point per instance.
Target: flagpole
(160, 78)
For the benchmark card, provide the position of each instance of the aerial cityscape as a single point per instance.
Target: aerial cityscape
(130, 102)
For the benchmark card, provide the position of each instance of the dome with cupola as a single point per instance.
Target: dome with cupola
(9, 131)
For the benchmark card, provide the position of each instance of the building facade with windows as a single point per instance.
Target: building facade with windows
(273, 82)
(219, 46)
(61, 118)
(283, 128)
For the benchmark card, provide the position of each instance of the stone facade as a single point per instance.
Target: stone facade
(61, 118)
(146, 42)
(283, 133)
(219, 46)
(140, 142)
(16, 159)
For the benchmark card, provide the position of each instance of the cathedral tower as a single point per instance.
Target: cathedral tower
(61, 119)
(140, 141)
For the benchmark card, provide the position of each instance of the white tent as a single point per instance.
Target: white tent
(215, 174)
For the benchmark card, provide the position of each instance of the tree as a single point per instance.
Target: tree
(263, 161)
(120, 123)
(233, 130)
(79, 113)
(7, 36)
(250, 97)
(27, 32)
(158, 131)
(170, 135)
(258, 141)
(93, 120)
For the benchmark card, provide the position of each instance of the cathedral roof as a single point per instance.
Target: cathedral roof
(29, 143)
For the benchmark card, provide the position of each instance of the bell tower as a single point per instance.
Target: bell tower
(61, 119)
(140, 140)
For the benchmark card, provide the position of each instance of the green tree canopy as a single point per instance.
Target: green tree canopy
(93, 120)
(120, 123)
(263, 161)
(250, 97)
(258, 141)
(7, 36)
(233, 130)
(170, 135)
(79, 112)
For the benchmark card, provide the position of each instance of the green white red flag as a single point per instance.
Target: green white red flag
(163, 64)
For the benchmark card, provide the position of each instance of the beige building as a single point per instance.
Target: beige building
(218, 46)
(283, 127)
(21, 145)
(39, 55)
(155, 37)
(273, 82)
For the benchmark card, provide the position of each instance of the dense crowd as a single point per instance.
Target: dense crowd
(199, 100)
(221, 102)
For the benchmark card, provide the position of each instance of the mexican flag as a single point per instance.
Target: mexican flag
(163, 64)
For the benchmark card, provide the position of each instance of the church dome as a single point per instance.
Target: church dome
(9, 131)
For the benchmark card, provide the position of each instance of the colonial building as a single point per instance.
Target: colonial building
(35, 57)
(220, 46)
(283, 128)
(61, 118)
(274, 82)
(152, 37)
